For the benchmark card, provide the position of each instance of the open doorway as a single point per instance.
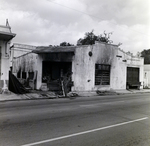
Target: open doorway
(52, 72)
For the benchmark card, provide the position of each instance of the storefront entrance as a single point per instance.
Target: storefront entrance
(53, 72)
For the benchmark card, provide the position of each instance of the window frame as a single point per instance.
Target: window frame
(102, 74)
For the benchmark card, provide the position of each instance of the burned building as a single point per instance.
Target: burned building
(95, 67)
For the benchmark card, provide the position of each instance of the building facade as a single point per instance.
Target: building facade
(5, 37)
(17, 50)
(93, 67)
(107, 68)
(22, 53)
(146, 76)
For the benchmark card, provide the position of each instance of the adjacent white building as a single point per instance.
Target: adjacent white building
(5, 37)
(18, 50)
(146, 76)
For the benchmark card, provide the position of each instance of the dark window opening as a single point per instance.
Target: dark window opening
(54, 72)
(19, 73)
(31, 75)
(133, 74)
(24, 76)
(102, 74)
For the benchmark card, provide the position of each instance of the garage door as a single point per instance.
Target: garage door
(132, 74)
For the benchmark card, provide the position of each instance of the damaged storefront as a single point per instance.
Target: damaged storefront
(56, 68)
(24, 68)
(53, 72)
(105, 67)
(46, 68)
(79, 68)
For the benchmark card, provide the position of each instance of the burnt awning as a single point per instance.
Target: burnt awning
(54, 49)
(56, 53)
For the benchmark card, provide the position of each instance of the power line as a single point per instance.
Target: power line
(94, 16)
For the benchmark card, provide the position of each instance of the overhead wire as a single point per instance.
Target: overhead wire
(95, 17)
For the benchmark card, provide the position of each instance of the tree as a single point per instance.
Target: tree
(105, 38)
(90, 38)
(146, 55)
(66, 44)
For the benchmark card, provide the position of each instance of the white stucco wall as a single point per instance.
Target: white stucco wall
(84, 66)
(5, 38)
(118, 71)
(29, 62)
(146, 76)
(4, 60)
(138, 62)
(19, 50)
(39, 71)
(127, 60)
(26, 63)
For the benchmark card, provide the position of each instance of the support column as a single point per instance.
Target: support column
(141, 76)
(39, 71)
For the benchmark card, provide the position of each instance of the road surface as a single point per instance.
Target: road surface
(120, 120)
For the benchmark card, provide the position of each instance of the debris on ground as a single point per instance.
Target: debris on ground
(72, 94)
(105, 92)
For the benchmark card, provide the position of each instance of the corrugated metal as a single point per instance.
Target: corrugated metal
(132, 74)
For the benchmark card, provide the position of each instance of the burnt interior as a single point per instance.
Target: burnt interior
(53, 72)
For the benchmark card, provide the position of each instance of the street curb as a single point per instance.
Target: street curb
(21, 98)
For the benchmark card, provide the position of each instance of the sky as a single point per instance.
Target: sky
(51, 22)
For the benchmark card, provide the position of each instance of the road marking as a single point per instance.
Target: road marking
(88, 105)
(114, 102)
(99, 104)
(84, 132)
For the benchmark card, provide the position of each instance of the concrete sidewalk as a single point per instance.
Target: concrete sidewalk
(51, 95)
(132, 91)
(33, 95)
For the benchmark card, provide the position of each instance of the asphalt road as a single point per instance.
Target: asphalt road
(120, 120)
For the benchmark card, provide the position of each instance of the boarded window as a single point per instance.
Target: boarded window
(102, 74)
